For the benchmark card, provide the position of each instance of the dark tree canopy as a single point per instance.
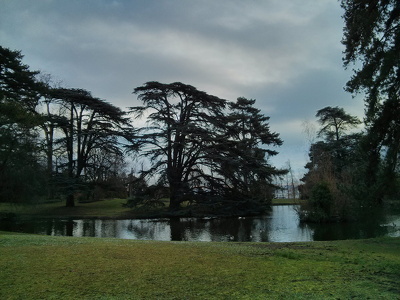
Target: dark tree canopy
(183, 125)
(372, 40)
(17, 82)
(246, 171)
(19, 94)
(335, 122)
(199, 149)
(372, 37)
(331, 168)
(90, 125)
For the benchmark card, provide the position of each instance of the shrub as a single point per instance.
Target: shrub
(318, 208)
(147, 197)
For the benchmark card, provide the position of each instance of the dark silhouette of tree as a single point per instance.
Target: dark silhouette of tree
(89, 124)
(37, 121)
(205, 155)
(337, 147)
(335, 121)
(372, 40)
(247, 174)
(19, 153)
(184, 125)
(49, 109)
(331, 166)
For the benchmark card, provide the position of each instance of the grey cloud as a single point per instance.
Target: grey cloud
(285, 54)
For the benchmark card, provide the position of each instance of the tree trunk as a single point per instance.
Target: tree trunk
(50, 194)
(174, 202)
(175, 196)
(176, 229)
(175, 189)
(70, 201)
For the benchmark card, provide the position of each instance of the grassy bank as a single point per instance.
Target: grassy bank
(44, 267)
(110, 208)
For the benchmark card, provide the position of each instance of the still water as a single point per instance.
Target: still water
(280, 225)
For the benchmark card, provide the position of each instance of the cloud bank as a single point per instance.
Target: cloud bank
(285, 54)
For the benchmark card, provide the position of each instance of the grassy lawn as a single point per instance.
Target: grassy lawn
(44, 267)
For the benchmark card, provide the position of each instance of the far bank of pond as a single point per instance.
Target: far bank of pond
(280, 225)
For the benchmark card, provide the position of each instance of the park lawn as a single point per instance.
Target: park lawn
(45, 267)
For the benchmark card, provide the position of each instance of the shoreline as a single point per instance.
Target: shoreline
(111, 209)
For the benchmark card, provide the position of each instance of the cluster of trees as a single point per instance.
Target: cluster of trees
(204, 150)
(54, 141)
(334, 163)
(349, 173)
(65, 142)
(208, 150)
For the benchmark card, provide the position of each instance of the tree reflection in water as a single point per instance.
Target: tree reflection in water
(280, 225)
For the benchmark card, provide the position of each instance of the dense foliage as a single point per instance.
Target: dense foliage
(89, 129)
(19, 95)
(358, 172)
(372, 41)
(334, 159)
(206, 149)
(55, 142)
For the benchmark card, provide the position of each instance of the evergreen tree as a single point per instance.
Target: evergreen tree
(89, 125)
(372, 40)
(332, 166)
(244, 167)
(20, 171)
(184, 126)
(206, 155)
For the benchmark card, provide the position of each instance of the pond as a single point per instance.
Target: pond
(280, 225)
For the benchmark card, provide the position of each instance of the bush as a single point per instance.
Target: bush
(318, 208)
(147, 197)
(22, 184)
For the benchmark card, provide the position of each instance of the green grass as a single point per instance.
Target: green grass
(44, 267)
(110, 208)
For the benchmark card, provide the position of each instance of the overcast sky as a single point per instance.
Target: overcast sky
(286, 54)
